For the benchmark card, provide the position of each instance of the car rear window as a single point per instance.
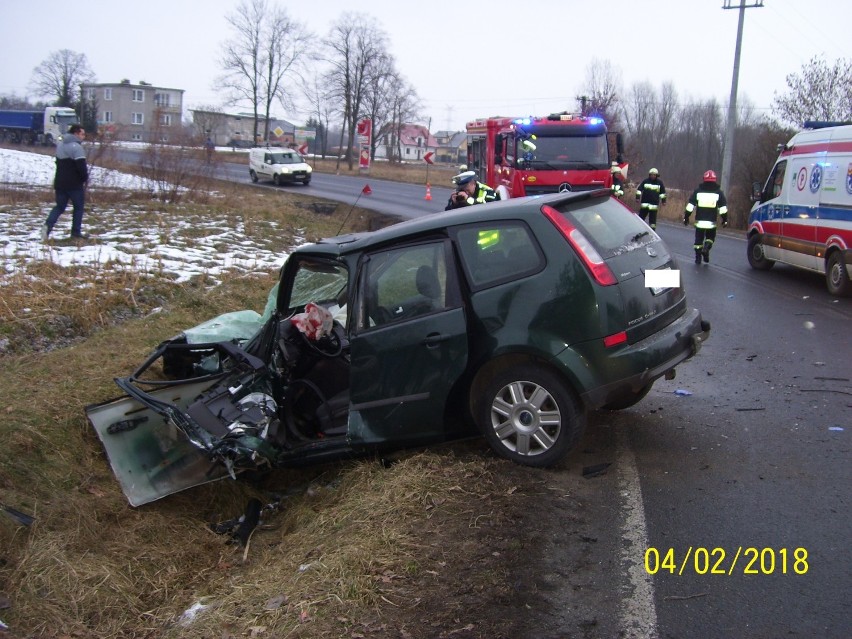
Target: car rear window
(494, 253)
(611, 227)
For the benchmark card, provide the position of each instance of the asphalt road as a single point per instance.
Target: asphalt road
(398, 199)
(725, 511)
(757, 457)
(732, 480)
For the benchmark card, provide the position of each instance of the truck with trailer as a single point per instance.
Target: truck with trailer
(802, 215)
(46, 126)
(521, 156)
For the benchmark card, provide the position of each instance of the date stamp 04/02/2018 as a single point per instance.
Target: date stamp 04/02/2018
(718, 561)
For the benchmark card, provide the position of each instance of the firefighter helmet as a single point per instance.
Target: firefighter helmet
(653, 172)
(615, 168)
(710, 175)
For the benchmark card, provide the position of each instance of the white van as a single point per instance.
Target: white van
(279, 165)
(803, 214)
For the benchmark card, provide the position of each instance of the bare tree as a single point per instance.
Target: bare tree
(404, 108)
(266, 48)
(819, 92)
(378, 105)
(317, 95)
(354, 47)
(14, 102)
(696, 144)
(390, 102)
(664, 116)
(602, 89)
(60, 76)
(287, 46)
(210, 122)
(638, 110)
(170, 162)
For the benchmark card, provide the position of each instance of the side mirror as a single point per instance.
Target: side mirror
(756, 192)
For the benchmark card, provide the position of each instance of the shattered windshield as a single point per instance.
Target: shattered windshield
(320, 281)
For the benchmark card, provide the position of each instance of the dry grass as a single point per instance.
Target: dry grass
(340, 548)
(344, 551)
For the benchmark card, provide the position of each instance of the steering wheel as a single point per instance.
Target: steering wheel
(330, 345)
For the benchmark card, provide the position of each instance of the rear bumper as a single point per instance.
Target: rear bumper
(641, 363)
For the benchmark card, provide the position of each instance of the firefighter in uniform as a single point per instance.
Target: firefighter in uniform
(708, 203)
(651, 195)
(469, 191)
(617, 181)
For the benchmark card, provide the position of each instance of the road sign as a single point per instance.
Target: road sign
(428, 157)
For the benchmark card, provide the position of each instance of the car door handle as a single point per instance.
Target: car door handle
(433, 339)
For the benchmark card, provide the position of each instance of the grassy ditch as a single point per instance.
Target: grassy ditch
(365, 548)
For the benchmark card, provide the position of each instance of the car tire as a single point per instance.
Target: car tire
(629, 400)
(253, 175)
(756, 257)
(276, 179)
(529, 415)
(836, 278)
(306, 181)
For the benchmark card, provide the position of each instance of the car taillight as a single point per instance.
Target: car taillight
(615, 339)
(591, 258)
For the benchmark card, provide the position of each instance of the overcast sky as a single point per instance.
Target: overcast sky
(465, 59)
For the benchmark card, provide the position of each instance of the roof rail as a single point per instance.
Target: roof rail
(819, 124)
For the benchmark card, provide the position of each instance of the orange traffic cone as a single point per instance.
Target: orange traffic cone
(428, 196)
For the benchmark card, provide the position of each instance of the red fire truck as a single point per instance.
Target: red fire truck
(533, 156)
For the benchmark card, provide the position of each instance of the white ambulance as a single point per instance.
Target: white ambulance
(803, 214)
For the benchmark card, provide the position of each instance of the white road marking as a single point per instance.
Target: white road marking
(637, 614)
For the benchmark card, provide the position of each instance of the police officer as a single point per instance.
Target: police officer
(708, 203)
(469, 191)
(651, 195)
(617, 181)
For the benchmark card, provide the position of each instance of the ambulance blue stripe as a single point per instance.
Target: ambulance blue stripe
(834, 213)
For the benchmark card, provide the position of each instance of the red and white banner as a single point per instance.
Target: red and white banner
(365, 138)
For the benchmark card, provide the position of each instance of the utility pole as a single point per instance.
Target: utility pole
(727, 157)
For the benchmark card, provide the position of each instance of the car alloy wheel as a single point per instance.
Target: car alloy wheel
(530, 417)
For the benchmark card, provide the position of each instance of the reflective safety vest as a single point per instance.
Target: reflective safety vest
(707, 202)
(651, 193)
(483, 194)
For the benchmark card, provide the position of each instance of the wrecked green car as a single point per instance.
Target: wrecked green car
(508, 320)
